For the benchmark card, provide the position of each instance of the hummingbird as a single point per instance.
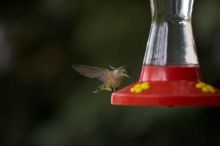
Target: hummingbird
(111, 77)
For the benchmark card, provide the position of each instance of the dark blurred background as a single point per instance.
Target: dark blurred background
(43, 102)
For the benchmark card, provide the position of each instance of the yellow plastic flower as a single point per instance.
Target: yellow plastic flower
(145, 85)
(200, 85)
(205, 87)
(132, 89)
(139, 87)
(138, 90)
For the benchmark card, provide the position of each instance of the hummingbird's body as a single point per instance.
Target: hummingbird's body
(111, 78)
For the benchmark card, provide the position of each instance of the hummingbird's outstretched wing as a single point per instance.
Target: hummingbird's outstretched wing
(91, 72)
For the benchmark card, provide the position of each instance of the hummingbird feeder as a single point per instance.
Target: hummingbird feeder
(170, 73)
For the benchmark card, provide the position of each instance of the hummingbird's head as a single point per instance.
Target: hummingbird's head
(122, 72)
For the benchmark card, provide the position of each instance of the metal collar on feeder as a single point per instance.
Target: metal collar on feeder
(170, 74)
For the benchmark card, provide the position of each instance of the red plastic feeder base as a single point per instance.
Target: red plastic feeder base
(168, 86)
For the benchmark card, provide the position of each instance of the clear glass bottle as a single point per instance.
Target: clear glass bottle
(171, 39)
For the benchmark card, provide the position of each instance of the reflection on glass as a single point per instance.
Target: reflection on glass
(171, 39)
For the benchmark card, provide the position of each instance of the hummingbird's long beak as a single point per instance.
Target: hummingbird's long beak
(127, 76)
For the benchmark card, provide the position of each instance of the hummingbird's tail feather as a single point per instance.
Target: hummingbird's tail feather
(96, 91)
(101, 88)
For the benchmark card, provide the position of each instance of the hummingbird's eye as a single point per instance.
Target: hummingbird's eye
(124, 71)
